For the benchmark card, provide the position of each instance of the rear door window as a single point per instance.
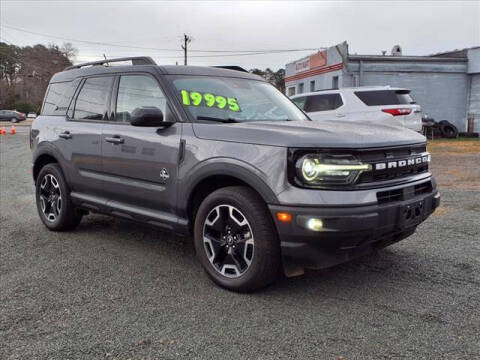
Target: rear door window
(323, 102)
(93, 99)
(58, 98)
(385, 97)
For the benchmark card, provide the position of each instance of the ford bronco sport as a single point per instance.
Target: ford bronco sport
(223, 155)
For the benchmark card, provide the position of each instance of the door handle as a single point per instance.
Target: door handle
(115, 140)
(340, 115)
(65, 135)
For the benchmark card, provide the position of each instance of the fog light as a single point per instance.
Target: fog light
(315, 224)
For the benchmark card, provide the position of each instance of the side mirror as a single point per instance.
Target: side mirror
(148, 116)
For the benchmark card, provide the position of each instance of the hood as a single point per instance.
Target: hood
(316, 134)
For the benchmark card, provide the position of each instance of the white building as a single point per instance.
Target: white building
(446, 85)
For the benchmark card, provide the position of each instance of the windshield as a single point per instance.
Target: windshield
(234, 100)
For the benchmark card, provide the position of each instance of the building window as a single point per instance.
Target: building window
(312, 85)
(335, 82)
(291, 91)
(300, 88)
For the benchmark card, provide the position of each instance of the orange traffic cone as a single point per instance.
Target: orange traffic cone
(12, 130)
(3, 131)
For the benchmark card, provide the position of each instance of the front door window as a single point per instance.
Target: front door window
(138, 91)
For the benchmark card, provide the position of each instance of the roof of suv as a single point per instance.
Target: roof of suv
(70, 74)
(350, 89)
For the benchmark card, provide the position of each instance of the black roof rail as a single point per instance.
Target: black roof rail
(136, 60)
(231, 67)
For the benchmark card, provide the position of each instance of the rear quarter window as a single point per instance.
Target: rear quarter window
(385, 97)
(93, 99)
(58, 98)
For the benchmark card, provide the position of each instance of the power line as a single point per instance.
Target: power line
(248, 53)
(233, 52)
(85, 41)
(100, 55)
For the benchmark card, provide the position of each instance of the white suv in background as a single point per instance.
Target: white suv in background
(384, 104)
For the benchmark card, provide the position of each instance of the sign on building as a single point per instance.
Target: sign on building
(311, 62)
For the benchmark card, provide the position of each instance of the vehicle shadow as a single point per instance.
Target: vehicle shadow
(390, 264)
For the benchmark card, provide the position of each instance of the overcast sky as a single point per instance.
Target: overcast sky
(420, 27)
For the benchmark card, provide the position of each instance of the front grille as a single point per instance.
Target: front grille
(392, 174)
(405, 193)
(386, 156)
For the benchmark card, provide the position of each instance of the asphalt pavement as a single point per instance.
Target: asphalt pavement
(116, 290)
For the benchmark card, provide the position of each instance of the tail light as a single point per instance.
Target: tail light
(396, 112)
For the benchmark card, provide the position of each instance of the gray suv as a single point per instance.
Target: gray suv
(222, 155)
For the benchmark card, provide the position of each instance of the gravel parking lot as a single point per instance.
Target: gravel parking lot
(8, 124)
(117, 290)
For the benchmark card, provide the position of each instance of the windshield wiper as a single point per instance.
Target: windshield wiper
(211, 118)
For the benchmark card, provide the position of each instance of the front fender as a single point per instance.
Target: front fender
(224, 166)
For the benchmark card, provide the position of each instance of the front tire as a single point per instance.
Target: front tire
(14, 120)
(236, 240)
(54, 204)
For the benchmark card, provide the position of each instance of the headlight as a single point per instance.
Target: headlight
(323, 169)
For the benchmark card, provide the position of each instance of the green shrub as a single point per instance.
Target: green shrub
(25, 107)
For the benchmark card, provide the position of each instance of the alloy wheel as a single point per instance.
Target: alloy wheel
(50, 197)
(228, 240)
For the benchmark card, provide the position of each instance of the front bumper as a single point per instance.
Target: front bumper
(348, 231)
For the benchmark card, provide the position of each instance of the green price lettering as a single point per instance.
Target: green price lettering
(195, 98)
(209, 99)
(232, 104)
(221, 101)
(185, 97)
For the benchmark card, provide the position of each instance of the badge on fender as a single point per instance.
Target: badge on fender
(164, 175)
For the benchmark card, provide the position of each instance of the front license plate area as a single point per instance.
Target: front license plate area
(411, 214)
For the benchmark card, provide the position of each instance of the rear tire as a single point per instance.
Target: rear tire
(236, 240)
(54, 204)
(449, 131)
(14, 120)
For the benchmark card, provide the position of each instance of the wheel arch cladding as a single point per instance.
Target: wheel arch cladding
(40, 162)
(44, 154)
(219, 176)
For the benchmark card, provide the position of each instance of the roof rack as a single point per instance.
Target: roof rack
(231, 67)
(136, 60)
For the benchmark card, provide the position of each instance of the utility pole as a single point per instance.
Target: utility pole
(186, 40)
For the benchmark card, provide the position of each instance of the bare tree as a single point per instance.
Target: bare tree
(69, 51)
(25, 73)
